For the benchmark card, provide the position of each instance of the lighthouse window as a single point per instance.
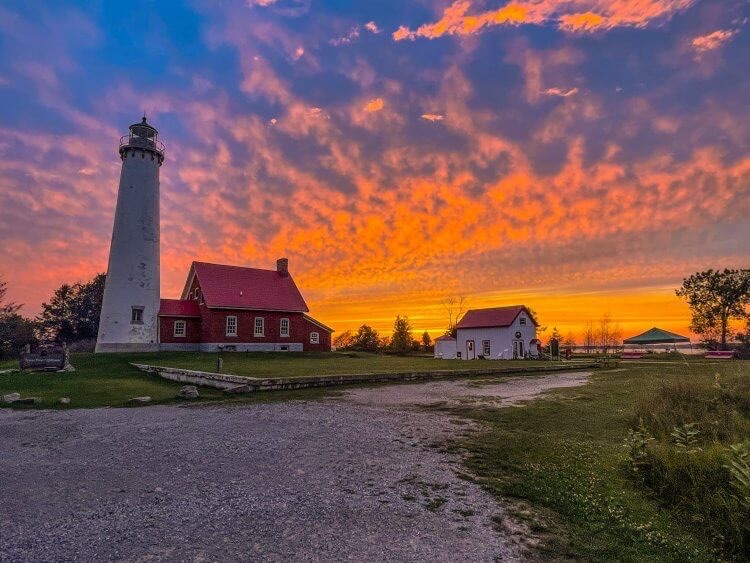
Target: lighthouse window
(179, 328)
(136, 315)
(284, 328)
(260, 327)
(231, 326)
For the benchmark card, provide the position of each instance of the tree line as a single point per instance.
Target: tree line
(367, 339)
(718, 301)
(71, 315)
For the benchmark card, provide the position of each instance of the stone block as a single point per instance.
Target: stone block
(188, 392)
(11, 397)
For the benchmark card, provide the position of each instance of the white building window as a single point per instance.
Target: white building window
(522, 321)
(284, 328)
(231, 326)
(136, 315)
(314, 338)
(179, 329)
(260, 327)
(486, 350)
(197, 293)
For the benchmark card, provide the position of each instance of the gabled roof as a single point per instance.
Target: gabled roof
(236, 287)
(179, 308)
(318, 323)
(656, 336)
(494, 317)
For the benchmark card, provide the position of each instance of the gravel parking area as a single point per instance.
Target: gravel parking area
(359, 478)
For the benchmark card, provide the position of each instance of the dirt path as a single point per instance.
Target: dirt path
(352, 478)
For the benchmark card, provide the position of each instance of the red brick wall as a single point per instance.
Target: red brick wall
(192, 330)
(324, 337)
(214, 328)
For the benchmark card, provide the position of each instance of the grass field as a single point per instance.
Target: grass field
(110, 380)
(565, 457)
(317, 363)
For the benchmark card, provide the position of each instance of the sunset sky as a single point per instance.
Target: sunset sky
(577, 156)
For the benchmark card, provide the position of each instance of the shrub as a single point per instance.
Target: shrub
(719, 412)
(697, 462)
(701, 486)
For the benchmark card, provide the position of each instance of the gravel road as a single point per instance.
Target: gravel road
(361, 477)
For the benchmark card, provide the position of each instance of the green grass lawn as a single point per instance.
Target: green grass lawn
(281, 364)
(110, 380)
(101, 380)
(564, 455)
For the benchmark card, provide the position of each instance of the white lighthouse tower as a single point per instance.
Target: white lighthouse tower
(128, 321)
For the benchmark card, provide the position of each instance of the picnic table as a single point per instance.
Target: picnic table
(719, 354)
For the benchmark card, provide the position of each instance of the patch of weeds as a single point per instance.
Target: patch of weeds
(434, 504)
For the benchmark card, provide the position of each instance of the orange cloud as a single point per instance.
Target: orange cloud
(713, 40)
(579, 16)
(562, 92)
(376, 104)
(432, 117)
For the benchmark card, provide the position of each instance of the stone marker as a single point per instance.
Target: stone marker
(64, 400)
(27, 401)
(188, 392)
(11, 397)
(140, 400)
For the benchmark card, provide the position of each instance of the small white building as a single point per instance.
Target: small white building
(445, 347)
(499, 333)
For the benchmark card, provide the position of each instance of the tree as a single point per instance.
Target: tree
(608, 333)
(555, 336)
(366, 339)
(343, 340)
(73, 312)
(15, 333)
(589, 336)
(715, 299)
(454, 309)
(570, 340)
(426, 340)
(401, 341)
(6, 308)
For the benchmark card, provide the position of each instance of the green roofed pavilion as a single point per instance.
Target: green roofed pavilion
(656, 336)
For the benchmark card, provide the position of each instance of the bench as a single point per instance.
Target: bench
(719, 355)
(631, 355)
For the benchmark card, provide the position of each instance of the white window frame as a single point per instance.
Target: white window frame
(231, 326)
(522, 321)
(262, 326)
(284, 333)
(314, 338)
(197, 294)
(486, 348)
(181, 333)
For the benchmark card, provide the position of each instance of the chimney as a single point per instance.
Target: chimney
(282, 266)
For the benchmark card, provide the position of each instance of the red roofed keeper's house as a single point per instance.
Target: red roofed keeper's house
(242, 309)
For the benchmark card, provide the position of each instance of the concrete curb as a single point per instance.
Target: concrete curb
(244, 384)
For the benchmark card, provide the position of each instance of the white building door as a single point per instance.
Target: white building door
(518, 351)
(470, 352)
